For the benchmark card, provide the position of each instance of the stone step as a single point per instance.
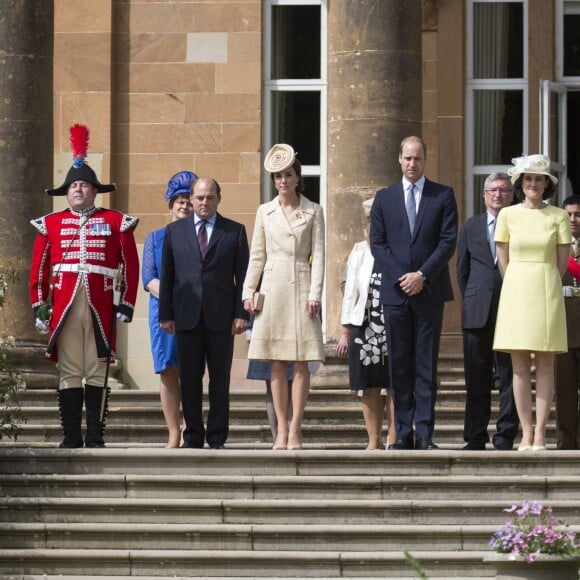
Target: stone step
(173, 577)
(237, 563)
(287, 511)
(254, 398)
(509, 489)
(315, 436)
(246, 415)
(312, 513)
(325, 463)
(261, 537)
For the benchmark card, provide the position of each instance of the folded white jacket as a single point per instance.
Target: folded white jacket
(359, 269)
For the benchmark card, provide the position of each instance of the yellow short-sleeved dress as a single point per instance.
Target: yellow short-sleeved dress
(531, 307)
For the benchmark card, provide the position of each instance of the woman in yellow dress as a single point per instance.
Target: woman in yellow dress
(533, 243)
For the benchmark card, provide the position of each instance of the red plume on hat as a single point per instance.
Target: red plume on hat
(80, 171)
(79, 142)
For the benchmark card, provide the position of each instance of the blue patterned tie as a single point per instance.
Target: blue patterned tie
(202, 238)
(411, 207)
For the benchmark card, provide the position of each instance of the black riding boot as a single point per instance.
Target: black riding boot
(93, 405)
(70, 406)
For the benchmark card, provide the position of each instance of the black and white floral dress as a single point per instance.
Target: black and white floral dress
(367, 348)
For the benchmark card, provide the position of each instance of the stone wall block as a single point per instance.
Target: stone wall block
(238, 77)
(77, 53)
(164, 78)
(241, 137)
(223, 108)
(152, 47)
(88, 15)
(164, 107)
(174, 17)
(244, 47)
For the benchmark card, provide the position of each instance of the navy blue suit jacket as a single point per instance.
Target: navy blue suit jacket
(477, 276)
(429, 249)
(190, 285)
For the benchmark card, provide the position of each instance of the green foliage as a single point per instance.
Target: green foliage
(416, 565)
(11, 383)
(8, 275)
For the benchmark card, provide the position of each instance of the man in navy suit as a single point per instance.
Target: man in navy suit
(413, 235)
(205, 257)
(480, 283)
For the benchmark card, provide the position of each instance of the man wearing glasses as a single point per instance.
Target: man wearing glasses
(480, 284)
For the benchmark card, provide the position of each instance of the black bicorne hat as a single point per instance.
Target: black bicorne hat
(80, 171)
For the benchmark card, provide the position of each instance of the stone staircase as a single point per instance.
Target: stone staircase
(331, 510)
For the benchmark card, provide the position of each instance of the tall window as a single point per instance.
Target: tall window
(496, 91)
(568, 76)
(295, 87)
(571, 39)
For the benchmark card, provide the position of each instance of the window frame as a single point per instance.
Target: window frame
(474, 84)
(271, 86)
(569, 80)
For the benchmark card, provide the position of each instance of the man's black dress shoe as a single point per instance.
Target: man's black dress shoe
(406, 443)
(191, 445)
(503, 445)
(474, 446)
(424, 444)
(216, 445)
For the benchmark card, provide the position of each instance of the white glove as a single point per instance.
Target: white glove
(42, 326)
(122, 317)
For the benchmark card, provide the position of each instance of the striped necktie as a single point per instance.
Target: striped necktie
(202, 238)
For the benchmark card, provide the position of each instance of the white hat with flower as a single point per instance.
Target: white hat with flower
(537, 163)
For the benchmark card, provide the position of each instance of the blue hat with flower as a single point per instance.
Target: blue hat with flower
(180, 184)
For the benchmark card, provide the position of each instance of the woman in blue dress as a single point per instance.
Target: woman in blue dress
(163, 347)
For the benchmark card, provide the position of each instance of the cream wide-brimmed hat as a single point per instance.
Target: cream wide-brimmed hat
(367, 204)
(539, 164)
(279, 158)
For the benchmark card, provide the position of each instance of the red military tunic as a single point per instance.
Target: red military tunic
(76, 249)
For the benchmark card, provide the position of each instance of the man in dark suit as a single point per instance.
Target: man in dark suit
(479, 281)
(205, 257)
(413, 235)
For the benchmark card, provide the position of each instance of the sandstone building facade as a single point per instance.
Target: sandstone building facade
(210, 85)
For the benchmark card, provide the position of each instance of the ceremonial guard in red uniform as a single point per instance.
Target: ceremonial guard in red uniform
(83, 256)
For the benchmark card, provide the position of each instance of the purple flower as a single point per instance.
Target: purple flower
(535, 531)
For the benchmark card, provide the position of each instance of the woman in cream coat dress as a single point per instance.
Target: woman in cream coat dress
(288, 250)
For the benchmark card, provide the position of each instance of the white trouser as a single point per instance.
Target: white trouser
(76, 348)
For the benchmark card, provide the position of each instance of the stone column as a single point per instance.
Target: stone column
(26, 144)
(374, 101)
